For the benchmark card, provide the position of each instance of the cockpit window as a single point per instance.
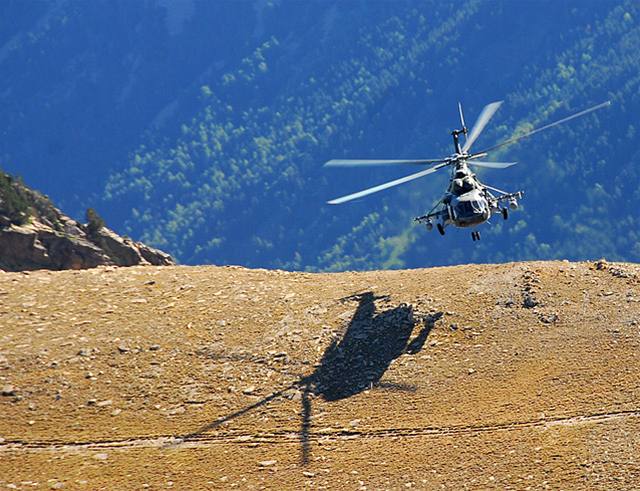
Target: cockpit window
(468, 208)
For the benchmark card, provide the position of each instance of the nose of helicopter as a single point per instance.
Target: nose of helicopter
(471, 209)
(472, 220)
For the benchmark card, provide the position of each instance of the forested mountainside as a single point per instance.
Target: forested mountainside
(202, 127)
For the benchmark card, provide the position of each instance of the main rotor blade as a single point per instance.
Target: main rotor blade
(386, 185)
(491, 165)
(369, 162)
(486, 114)
(550, 125)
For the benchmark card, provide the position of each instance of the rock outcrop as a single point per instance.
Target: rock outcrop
(34, 234)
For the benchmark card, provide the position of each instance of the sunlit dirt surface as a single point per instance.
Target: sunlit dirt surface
(513, 376)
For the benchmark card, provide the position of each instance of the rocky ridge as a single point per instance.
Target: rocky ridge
(34, 234)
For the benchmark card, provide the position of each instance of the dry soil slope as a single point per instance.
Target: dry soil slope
(515, 375)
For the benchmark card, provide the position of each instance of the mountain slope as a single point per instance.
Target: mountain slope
(203, 126)
(86, 80)
(485, 376)
(243, 184)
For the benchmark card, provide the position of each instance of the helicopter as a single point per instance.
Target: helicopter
(467, 202)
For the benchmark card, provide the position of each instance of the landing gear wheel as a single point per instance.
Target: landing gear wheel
(475, 235)
(440, 228)
(505, 213)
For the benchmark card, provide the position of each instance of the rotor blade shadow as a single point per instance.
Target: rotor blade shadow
(305, 427)
(238, 413)
(417, 343)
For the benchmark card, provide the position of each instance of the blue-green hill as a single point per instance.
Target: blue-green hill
(201, 128)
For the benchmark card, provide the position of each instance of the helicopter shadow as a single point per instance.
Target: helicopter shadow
(353, 364)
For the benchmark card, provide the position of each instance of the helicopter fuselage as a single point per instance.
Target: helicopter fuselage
(468, 202)
(466, 198)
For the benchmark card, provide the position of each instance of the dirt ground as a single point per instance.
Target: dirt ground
(512, 376)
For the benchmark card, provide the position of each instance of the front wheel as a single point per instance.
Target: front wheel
(505, 213)
(440, 229)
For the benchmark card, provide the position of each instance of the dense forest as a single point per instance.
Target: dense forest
(202, 127)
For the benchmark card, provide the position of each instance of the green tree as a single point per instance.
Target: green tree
(94, 221)
(13, 203)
